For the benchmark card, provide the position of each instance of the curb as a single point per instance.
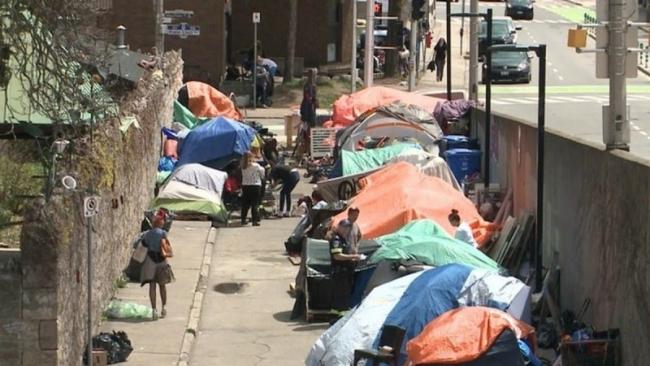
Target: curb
(197, 302)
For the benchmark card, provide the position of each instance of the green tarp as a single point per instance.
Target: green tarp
(427, 242)
(367, 160)
(185, 117)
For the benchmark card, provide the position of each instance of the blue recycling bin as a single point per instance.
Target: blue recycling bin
(463, 162)
(452, 142)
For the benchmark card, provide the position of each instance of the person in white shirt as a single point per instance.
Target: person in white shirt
(463, 231)
(354, 237)
(252, 177)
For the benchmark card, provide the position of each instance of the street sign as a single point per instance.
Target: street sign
(166, 20)
(602, 41)
(178, 13)
(182, 30)
(256, 18)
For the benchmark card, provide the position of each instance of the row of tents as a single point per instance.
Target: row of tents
(451, 303)
(209, 136)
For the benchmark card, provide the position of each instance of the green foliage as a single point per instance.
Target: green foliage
(16, 180)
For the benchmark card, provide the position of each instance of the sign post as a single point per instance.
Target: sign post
(256, 20)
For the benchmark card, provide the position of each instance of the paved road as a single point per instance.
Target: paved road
(574, 95)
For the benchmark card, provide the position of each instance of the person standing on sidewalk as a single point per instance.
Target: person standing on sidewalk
(343, 263)
(289, 178)
(156, 268)
(440, 55)
(355, 232)
(309, 100)
(252, 176)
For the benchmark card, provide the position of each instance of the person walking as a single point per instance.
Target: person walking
(440, 55)
(343, 263)
(309, 99)
(463, 230)
(156, 270)
(252, 176)
(289, 178)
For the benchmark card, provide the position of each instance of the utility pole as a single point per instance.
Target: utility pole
(412, 54)
(448, 17)
(616, 64)
(473, 51)
(256, 20)
(368, 70)
(353, 63)
(159, 8)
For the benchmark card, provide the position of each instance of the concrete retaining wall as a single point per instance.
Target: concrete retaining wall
(597, 216)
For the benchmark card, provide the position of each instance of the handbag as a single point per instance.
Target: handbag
(140, 253)
(166, 248)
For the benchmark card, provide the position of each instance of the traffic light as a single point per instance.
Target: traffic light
(418, 8)
(378, 9)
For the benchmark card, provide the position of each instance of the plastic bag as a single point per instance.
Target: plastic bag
(117, 346)
(122, 310)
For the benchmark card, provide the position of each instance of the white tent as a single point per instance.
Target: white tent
(201, 176)
(429, 164)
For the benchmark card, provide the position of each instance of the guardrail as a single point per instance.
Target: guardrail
(644, 54)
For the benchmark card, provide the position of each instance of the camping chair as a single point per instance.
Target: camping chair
(391, 336)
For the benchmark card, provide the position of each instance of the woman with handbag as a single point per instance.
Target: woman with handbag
(156, 268)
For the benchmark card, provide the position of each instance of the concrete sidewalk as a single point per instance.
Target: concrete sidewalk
(160, 342)
(246, 309)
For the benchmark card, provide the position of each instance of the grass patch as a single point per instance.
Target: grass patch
(288, 95)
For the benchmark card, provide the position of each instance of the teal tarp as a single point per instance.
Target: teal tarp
(367, 160)
(185, 117)
(427, 242)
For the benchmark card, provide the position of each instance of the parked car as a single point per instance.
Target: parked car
(504, 31)
(520, 9)
(513, 67)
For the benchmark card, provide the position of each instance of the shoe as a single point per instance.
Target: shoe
(285, 214)
(244, 223)
(154, 315)
(163, 313)
(256, 224)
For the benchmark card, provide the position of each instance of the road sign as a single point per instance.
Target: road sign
(602, 41)
(256, 17)
(166, 20)
(178, 13)
(182, 30)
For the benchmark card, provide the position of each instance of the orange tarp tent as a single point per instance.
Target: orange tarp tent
(206, 101)
(399, 194)
(347, 108)
(463, 335)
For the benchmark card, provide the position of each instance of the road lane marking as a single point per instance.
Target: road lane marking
(517, 101)
(560, 77)
(636, 128)
(555, 70)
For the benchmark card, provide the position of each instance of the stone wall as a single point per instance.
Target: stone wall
(121, 168)
(596, 215)
(11, 307)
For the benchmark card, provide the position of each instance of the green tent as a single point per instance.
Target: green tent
(427, 242)
(185, 117)
(367, 160)
(179, 197)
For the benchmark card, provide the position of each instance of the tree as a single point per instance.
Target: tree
(291, 41)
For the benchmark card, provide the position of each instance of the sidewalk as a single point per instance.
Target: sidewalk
(159, 342)
(245, 317)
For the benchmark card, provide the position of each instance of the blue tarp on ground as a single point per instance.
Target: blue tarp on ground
(217, 139)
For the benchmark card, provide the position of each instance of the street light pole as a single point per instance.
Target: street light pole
(448, 10)
(473, 52)
(412, 54)
(541, 129)
(368, 70)
(616, 54)
(488, 101)
(353, 62)
(540, 51)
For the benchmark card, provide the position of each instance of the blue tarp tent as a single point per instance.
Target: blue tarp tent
(220, 139)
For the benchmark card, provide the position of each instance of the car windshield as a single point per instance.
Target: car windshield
(499, 29)
(511, 57)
